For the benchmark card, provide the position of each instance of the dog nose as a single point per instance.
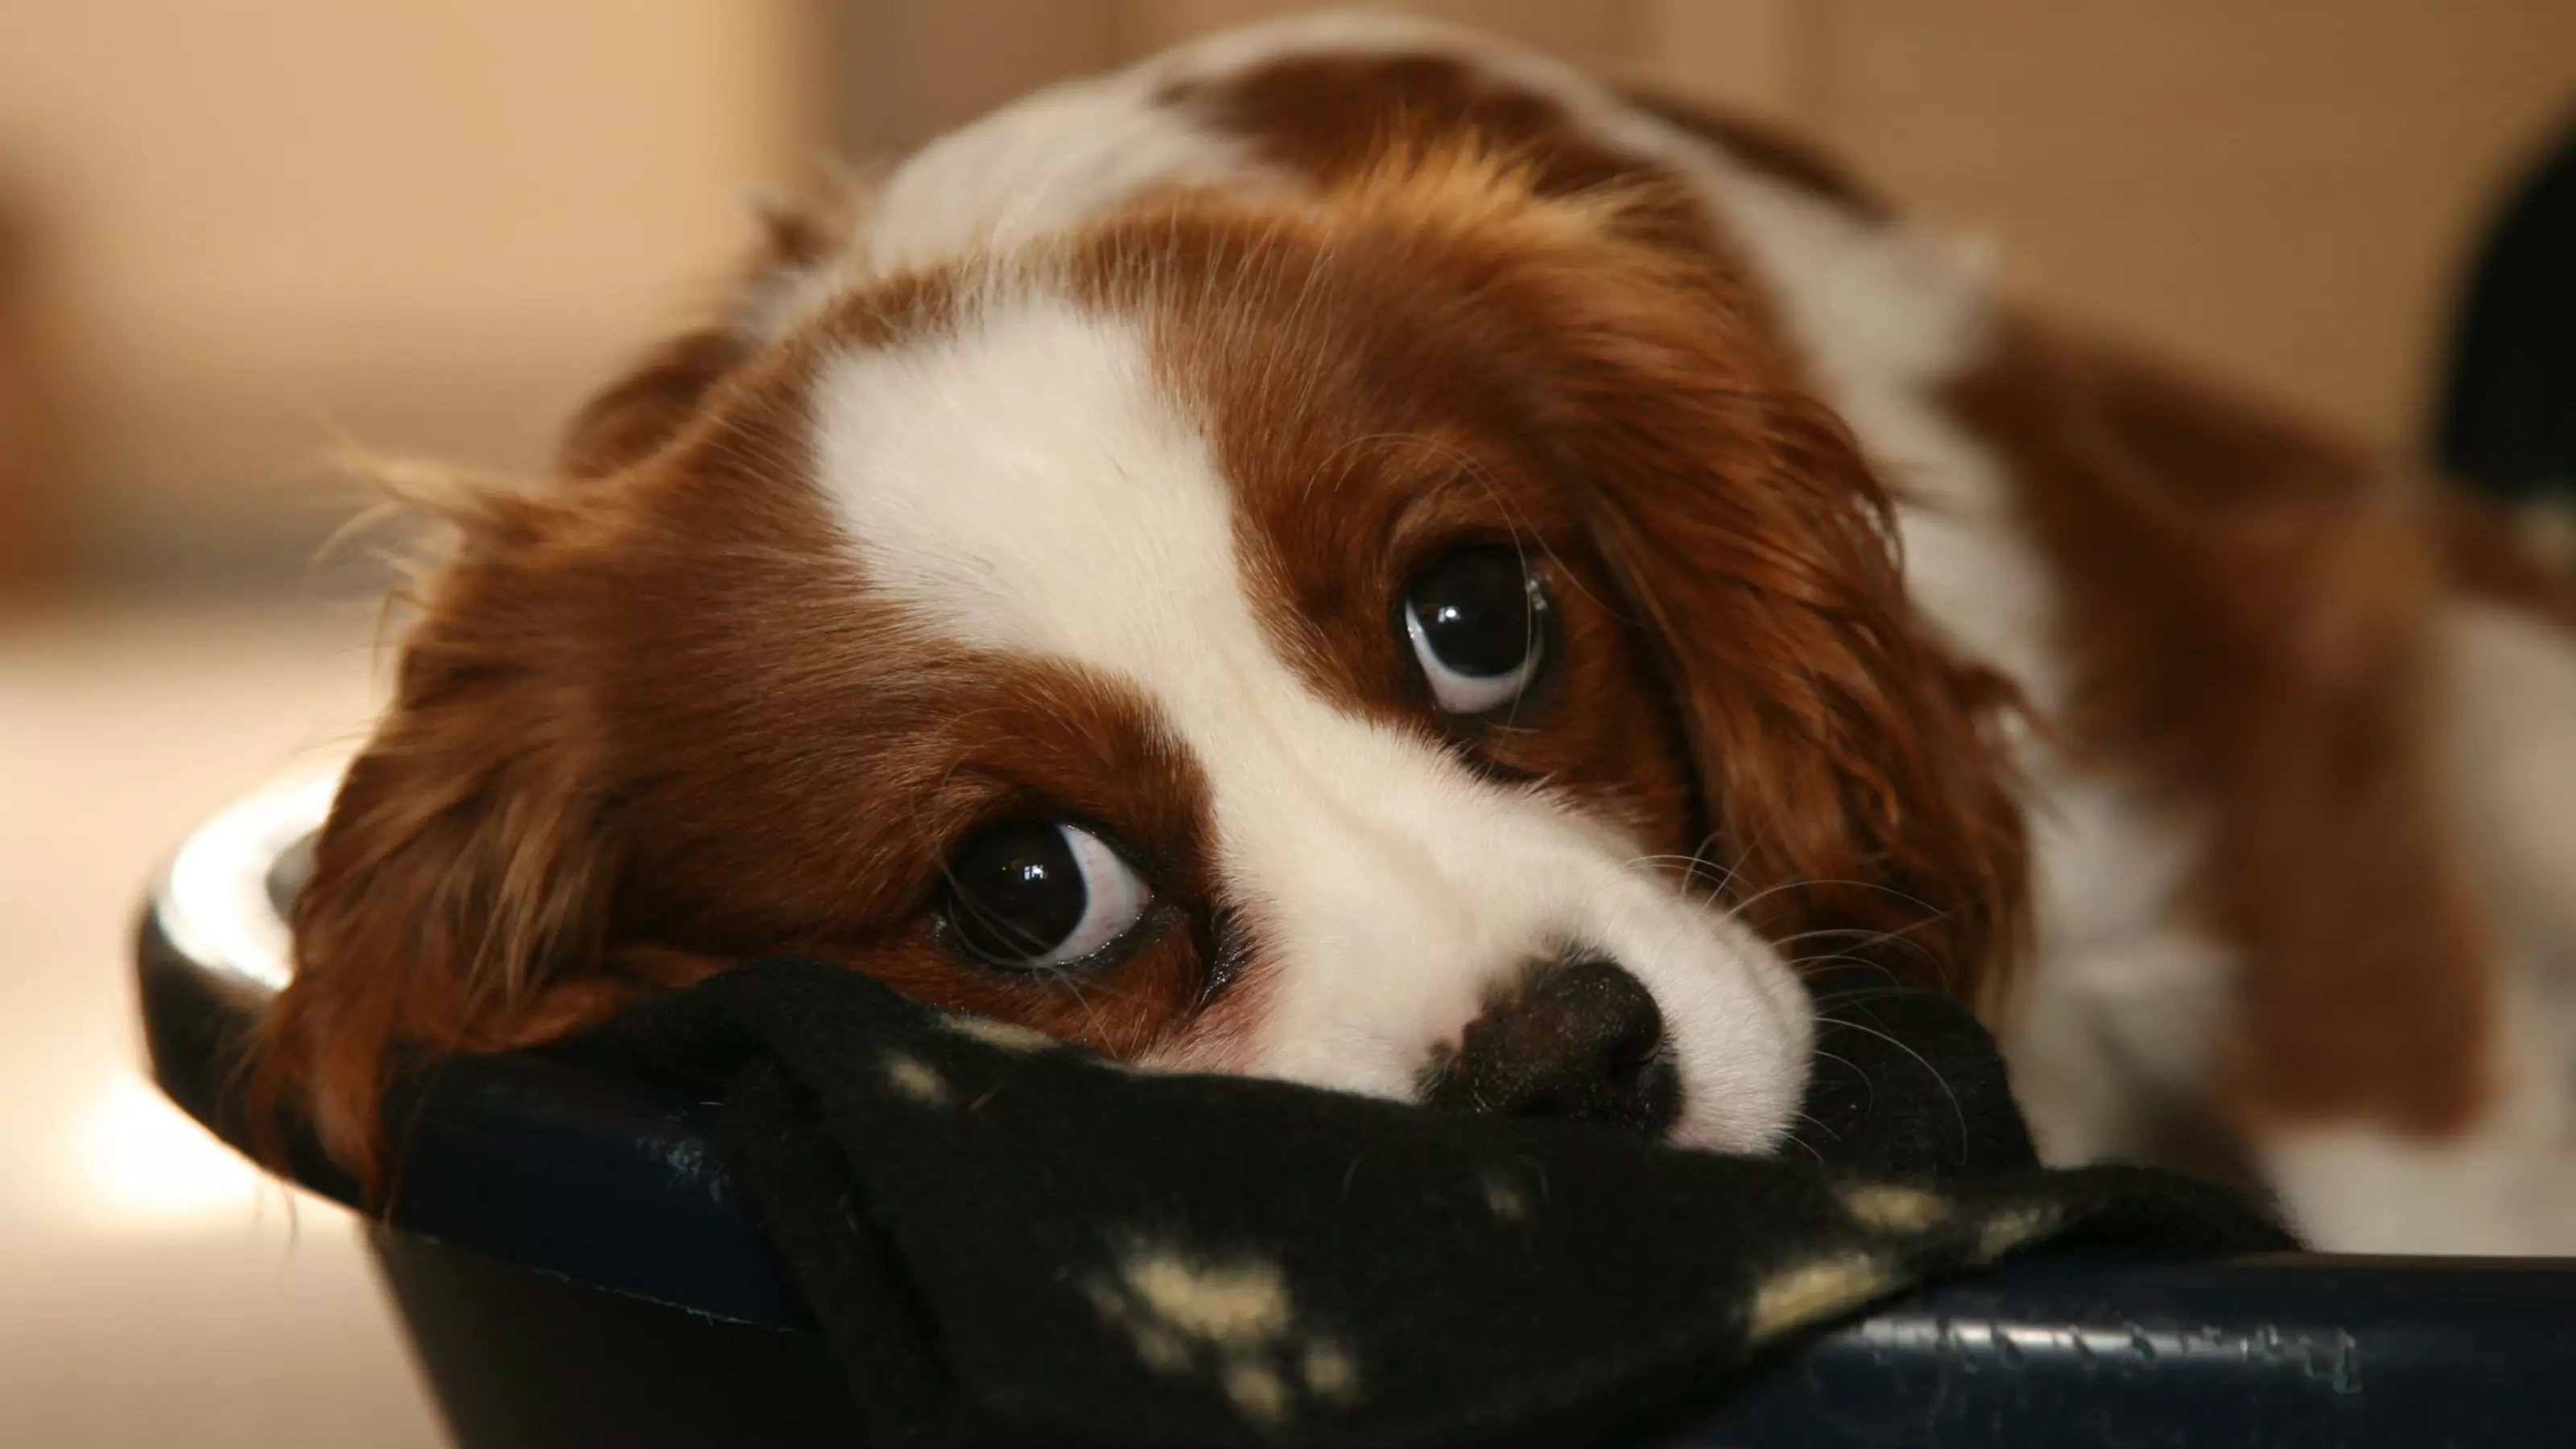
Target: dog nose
(1579, 1038)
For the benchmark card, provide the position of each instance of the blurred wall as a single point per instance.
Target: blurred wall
(428, 226)
(31, 481)
(433, 226)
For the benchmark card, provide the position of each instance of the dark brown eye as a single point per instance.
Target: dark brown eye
(1477, 621)
(1040, 894)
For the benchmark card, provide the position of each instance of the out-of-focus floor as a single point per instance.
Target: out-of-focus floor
(153, 1290)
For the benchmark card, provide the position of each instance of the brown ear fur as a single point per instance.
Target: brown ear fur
(1857, 789)
(1859, 801)
(461, 863)
(462, 886)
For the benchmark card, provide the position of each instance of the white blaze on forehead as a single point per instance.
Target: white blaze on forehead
(1023, 484)
(1027, 483)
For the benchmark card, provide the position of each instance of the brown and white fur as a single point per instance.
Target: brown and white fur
(1073, 473)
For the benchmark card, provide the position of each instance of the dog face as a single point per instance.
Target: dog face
(1418, 638)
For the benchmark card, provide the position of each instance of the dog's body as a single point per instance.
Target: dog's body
(1117, 471)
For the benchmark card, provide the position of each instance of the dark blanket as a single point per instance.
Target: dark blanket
(1011, 1241)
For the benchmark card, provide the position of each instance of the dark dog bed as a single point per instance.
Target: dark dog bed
(726, 1221)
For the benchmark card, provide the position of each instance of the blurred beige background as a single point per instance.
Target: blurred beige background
(236, 230)
(231, 233)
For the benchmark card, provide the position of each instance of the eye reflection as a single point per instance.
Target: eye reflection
(1477, 623)
(1039, 894)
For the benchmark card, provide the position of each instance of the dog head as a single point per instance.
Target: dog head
(1419, 637)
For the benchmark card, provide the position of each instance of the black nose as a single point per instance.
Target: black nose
(1578, 1038)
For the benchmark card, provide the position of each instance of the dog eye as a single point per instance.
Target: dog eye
(1477, 621)
(1041, 893)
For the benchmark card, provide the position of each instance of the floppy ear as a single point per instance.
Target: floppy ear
(1857, 798)
(1856, 786)
(461, 886)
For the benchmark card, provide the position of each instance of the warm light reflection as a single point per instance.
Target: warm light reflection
(145, 1165)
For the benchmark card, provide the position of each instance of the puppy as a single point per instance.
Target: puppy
(1352, 553)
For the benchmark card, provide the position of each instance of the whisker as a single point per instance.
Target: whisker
(1867, 1085)
(1857, 998)
(1957, 1110)
(1812, 1120)
(1933, 915)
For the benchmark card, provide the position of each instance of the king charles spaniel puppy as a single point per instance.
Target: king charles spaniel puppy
(1351, 553)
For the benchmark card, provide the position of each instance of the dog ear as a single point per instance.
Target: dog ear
(461, 887)
(1853, 770)
(1858, 800)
